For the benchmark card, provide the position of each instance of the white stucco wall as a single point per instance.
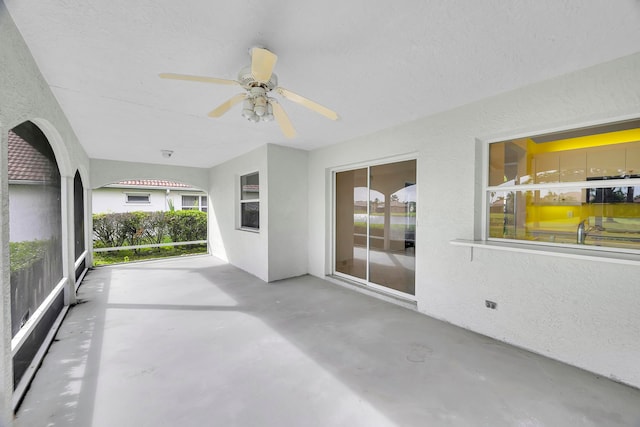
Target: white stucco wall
(279, 250)
(35, 218)
(26, 96)
(115, 200)
(287, 203)
(247, 250)
(106, 199)
(581, 312)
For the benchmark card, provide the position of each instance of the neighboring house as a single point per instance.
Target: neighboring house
(148, 195)
(33, 198)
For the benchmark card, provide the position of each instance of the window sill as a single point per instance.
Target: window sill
(563, 252)
(250, 230)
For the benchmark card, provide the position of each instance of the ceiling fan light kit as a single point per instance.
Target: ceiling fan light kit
(257, 106)
(258, 80)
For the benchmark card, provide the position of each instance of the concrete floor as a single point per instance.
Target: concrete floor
(197, 342)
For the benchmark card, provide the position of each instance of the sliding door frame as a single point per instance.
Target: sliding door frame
(368, 165)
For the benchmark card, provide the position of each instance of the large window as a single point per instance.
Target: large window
(250, 201)
(574, 188)
(375, 225)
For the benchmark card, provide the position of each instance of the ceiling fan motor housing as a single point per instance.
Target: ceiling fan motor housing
(247, 81)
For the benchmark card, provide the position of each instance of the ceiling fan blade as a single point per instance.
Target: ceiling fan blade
(198, 79)
(330, 114)
(262, 63)
(227, 105)
(283, 120)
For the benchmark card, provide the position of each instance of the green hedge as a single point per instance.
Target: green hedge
(141, 228)
(185, 226)
(23, 255)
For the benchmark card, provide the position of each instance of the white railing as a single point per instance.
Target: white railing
(151, 245)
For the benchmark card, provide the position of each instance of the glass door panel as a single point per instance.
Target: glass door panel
(375, 225)
(392, 215)
(351, 223)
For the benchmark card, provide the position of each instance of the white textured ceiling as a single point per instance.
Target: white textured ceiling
(377, 63)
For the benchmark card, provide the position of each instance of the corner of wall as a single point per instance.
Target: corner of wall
(244, 249)
(288, 211)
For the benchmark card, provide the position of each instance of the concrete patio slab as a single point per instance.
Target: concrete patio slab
(198, 342)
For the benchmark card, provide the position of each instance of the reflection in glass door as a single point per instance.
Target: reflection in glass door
(351, 223)
(375, 225)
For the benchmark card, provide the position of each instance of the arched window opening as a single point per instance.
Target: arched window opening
(35, 227)
(78, 224)
(142, 219)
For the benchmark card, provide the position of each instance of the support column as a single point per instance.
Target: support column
(68, 239)
(88, 224)
(6, 366)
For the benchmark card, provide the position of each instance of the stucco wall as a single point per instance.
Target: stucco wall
(581, 312)
(287, 212)
(33, 204)
(279, 250)
(247, 250)
(115, 200)
(25, 96)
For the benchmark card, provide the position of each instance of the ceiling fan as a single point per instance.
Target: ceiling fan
(259, 80)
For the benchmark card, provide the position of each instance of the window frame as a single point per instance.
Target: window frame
(483, 193)
(202, 207)
(137, 194)
(330, 262)
(242, 202)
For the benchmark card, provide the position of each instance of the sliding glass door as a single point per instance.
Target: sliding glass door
(375, 225)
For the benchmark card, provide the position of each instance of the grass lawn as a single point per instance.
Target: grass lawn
(119, 257)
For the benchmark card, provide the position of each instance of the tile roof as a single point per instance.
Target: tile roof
(151, 183)
(26, 163)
